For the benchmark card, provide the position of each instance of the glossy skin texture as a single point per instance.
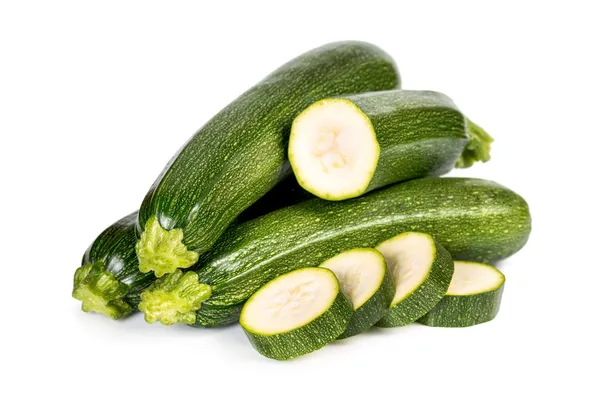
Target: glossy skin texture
(240, 153)
(208, 316)
(420, 134)
(116, 247)
(109, 281)
(473, 219)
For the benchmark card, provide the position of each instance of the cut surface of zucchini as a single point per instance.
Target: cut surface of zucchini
(474, 278)
(422, 270)
(296, 313)
(333, 149)
(473, 297)
(365, 280)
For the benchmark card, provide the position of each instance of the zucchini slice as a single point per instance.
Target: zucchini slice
(473, 297)
(365, 280)
(343, 147)
(422, 270)
(296, 313)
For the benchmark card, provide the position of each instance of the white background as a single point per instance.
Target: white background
(95, 97)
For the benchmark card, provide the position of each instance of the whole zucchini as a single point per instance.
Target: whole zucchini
(240, 154)
(109, 281)
(473, 219)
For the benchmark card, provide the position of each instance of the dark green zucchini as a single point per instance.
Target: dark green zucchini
(240, 154)
(342, 147)
(473, 219)
(109, 281)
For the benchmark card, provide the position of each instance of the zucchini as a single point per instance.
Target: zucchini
(474, 297)
(422, 270)
(109, 281)
(209, 316)
(240, 153)
(343, 147)
(365, 280)
(296, 313)
(473, 219)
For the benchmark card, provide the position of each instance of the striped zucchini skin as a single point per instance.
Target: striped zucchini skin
(473, 219)
(240, 153)
(420, 134)
(208, 316)
(429, 293)
(305, 339)
(466, 310)
(110, 270)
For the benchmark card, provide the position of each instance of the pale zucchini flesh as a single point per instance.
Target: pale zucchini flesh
(422, 270)
(473, 297)
(296, 313)
(333, 149)
(365, 280)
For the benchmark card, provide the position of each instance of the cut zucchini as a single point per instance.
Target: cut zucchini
(333, 149)
(365, 280)
(422, 270)
(343, 147)
(296, 313)
(473, 297)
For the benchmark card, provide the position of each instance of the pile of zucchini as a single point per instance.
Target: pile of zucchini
(311, 209)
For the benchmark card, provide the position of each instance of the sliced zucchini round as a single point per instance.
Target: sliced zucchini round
(333, 149)
(365, 280)
(296, 313)
(422, 270)
(473, 297)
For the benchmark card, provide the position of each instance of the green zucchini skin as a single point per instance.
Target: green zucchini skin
(308, 338)
(110, 270)
(473, 219)
(431, 291)
(240, 154)
(286, 193)
(465, 310)
(420, 134)
(208, 316)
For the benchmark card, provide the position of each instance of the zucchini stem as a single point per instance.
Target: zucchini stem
(478, 148)
(174, 298)
(163, 251)
(100, 292)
